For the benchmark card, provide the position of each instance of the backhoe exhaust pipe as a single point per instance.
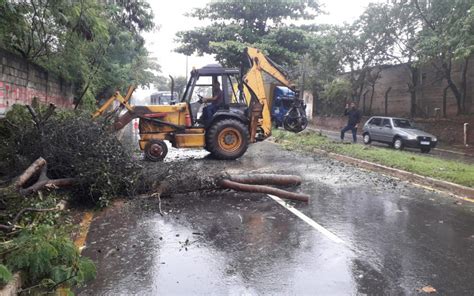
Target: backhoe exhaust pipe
(172, 89)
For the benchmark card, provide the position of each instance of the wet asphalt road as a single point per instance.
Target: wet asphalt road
(397, 238)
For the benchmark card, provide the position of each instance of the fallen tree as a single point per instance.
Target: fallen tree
(78, 154)
(246, 183)
(36, 175)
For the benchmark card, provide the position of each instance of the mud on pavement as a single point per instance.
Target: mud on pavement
(397, 237)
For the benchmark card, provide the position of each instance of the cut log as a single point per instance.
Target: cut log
(33, 169)
(49, 184)
(40, 167)
(267, 179)
(228, 184)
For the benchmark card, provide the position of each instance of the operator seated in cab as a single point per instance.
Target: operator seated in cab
(216, 101)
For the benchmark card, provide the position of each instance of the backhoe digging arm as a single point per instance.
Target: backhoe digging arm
(116, 97)
(254, 78)
(124, 119)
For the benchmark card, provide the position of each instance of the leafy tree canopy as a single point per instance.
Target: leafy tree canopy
(240, 23)
(448, 28)
(94, 44)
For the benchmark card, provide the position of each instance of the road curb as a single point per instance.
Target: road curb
(463, 192)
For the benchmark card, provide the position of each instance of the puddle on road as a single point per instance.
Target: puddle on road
(214, 245)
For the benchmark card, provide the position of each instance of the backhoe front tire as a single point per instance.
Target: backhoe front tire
(227, 139)
(155, 150)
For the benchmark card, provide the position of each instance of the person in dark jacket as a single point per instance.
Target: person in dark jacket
(353, 121)
(215, 101)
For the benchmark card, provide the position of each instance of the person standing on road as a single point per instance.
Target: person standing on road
(353, 121)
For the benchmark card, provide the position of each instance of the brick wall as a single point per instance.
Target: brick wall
(429, 92)
(21, 81)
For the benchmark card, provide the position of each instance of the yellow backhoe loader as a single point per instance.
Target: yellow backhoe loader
(241, 118)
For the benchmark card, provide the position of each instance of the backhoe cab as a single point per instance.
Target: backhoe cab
(234, 124)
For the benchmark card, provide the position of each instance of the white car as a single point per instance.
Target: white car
(398, 132)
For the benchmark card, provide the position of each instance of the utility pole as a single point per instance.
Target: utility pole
(186, 68)
(304, 62)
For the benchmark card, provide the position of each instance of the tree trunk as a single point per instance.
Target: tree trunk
(49, 184)
(33, 169)
(361, 86)
(464, 84)
(386, 100)
(371, 98)
(79, 100)
(267, 179)
(412, 89)
(181, 184)
(263, 189)
(364, 102)
(447, 67)
(445, 94)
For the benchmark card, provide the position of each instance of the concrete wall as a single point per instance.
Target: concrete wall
(21, 81)
(429, 91)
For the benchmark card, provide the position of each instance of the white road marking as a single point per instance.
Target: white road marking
(308, 220)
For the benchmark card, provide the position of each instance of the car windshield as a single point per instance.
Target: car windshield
(402, 123)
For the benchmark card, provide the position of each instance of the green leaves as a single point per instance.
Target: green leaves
(47, 257)
(241, 23)
(86, 271)
(448, 29)
(5, 275)
(90, 43)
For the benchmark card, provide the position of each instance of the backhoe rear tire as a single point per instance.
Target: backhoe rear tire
(227, 139)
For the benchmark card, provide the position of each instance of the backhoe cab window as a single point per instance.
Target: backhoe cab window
(203, 87)
(233, 91)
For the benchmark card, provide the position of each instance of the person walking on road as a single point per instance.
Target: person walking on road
(353, 121)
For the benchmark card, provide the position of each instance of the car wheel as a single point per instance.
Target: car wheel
(398, 143)
(367, 139)
(425, 150)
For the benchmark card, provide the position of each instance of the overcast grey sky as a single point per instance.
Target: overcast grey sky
(169, 16)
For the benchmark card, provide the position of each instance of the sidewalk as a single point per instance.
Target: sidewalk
(459, 153)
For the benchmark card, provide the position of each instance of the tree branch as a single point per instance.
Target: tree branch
(430, 24)
(55, 183)
(20, 213)
(34, 168)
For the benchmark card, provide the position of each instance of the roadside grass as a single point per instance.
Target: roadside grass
(447, 170)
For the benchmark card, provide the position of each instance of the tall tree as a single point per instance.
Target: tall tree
(364, 44)
(91, 43)
(240, 23)
(447, 38)
(403, 27)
